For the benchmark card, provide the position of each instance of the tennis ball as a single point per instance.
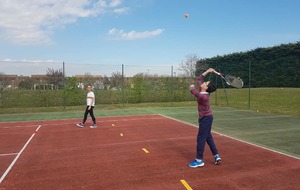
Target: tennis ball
(186, 15)
(257, 110)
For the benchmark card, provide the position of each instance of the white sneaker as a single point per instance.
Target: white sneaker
(93, 126)
(217, 159)
(81, 125)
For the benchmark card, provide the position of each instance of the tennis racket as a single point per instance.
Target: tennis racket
(233, 81)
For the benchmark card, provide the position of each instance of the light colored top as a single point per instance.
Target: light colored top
(90, 99)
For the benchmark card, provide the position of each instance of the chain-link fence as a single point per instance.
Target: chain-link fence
(50, 84)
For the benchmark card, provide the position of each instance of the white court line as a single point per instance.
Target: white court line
(79, 118)
(8, 154)
(12, 127)
(251, 118)
(18, 155)
(295, 157)
(76, 120)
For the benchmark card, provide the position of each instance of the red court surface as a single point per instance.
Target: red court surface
(62, 156)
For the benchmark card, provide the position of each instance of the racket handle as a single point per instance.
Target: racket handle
(220, 74)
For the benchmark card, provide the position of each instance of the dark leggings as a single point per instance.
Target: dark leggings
(91, 112)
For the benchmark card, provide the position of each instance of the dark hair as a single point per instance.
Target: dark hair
(211, 87)
(89, 85)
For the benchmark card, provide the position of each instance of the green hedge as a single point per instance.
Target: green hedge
(138, 89)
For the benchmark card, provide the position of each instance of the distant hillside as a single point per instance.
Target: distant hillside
(277, 66)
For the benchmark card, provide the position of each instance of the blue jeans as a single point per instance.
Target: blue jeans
(204, 135)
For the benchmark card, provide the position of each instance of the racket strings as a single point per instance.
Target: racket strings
(234, 81)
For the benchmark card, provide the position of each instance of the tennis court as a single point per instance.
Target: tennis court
(133, 152)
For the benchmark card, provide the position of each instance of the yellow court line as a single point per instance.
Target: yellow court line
(145, 150)
(185, 184)
(121, 134)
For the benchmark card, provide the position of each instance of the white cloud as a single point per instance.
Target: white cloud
(115, 3)
(121, 10)
(28, 22)
(133, 35)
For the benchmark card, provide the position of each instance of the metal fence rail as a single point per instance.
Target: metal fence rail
(60, 84)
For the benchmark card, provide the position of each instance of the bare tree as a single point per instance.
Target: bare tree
(106, 82)
(201, 66)
(4, 82)
(26, 83)
(189, 65)
(89, 78)
(117, 80)
(55, 77)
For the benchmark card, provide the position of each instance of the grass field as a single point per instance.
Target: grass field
(273, 100)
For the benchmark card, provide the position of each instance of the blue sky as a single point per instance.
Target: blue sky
(138, 32)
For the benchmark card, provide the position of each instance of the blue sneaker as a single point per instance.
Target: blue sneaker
(217, 159)
(195, 164)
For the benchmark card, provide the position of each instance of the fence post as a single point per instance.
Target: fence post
(225, 92)
(249, 92)
(64, 86)
(172, 90)
(123, 85)
(216, 93)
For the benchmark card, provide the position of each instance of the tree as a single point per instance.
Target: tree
(281, 66)
(189, 65)
(117, 80)
(26, 84)
(138, 86)
(201, 66)
(4, 82)
(88, 78)
(106, 82)
(73, 95)
(55, 77)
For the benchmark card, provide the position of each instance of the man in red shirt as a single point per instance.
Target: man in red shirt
(205, 120)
